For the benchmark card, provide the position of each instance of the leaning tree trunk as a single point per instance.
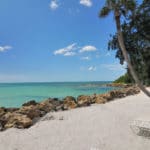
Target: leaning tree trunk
(126, 57)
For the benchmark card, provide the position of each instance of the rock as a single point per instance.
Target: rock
(30, 111)
(59, 108)
(11, 109)
(120, 93)
(131, 90)
(84, 100)
(56, 104)
(100, 100)
(2, 111)
(123, 85)
(16, 120)
(108, 96)
(5, 110)
(93, 98)
(45, 106)
(69, 103)
(32, 102)
(117, 94)
(55, 101)
(112, 95)
(97, 99)
(1, 127)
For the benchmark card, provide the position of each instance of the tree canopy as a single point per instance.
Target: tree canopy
(136, 35)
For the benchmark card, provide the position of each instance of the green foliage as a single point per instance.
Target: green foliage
(124, 79)
(137, 41)
(121, 6)
(104, 12)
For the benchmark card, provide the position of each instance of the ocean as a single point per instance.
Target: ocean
(15, 94)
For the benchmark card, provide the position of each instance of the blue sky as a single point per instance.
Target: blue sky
(58, 40)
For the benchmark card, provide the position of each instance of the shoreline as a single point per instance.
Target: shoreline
(14, 95)
(98, 127)
(25, 116)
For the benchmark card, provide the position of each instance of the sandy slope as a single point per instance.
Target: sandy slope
(99, 127)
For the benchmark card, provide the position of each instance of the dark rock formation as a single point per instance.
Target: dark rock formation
(16, 120)
(84, 100)
(123, 85)
(69, 103)
(30, 111)
(32, 102)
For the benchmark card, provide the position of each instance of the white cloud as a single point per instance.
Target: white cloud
(5, 48)
(85, 58)
(66, 51)
(87, 3)
(88, 48)
(69, 54)
(92, 68)
(53, 4)
(74, 49)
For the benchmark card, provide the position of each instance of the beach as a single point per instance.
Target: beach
(98, 127)
(70, 79)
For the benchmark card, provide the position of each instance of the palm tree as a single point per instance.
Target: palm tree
(122, 8)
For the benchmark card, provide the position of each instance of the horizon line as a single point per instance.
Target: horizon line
(51, 81)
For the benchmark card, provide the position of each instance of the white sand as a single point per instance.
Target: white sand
(99, 127)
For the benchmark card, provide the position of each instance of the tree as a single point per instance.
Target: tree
(122, 8)
(124, 79)
(136, 35)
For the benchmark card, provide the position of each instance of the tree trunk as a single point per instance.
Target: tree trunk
(126, 57)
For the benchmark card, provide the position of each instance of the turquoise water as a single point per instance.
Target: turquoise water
(15, 94)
